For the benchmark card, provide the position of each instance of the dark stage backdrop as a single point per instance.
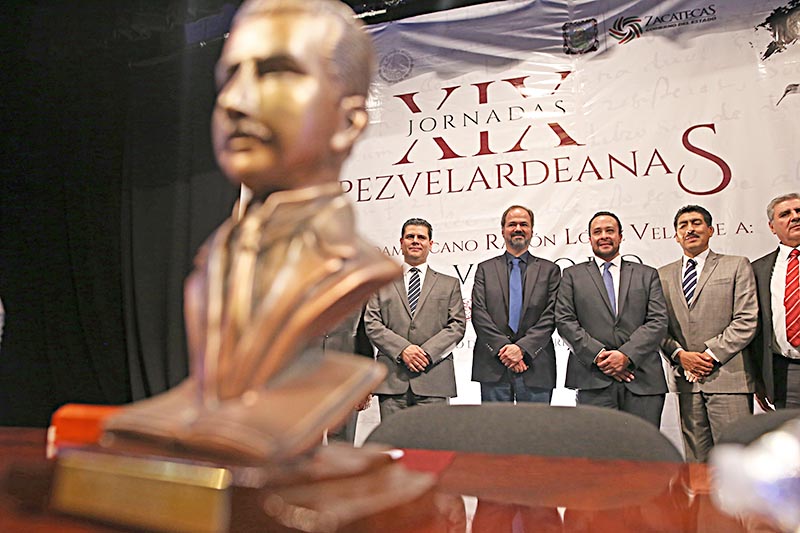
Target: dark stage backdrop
(173, 197)
(108, 189)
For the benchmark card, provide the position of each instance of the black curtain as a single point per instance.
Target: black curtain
(59, 220)
(173, 197)
(108, 189)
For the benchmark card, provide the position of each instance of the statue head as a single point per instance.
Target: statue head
(292, 81)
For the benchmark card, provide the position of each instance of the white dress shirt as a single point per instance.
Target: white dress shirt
(777, 290)
(423, 269)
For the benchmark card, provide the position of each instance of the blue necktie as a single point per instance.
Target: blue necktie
(689, 281)
(609, 282)
(413, 290)
(514, 295)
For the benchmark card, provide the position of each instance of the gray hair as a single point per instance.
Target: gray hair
(779, 199)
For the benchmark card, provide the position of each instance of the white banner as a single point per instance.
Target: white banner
(570, 109)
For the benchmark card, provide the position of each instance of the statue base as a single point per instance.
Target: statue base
(335, 488)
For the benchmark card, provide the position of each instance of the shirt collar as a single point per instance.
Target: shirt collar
(698, 259)
(423, 268)
(617, 261)
(784, 251)
(525, 257)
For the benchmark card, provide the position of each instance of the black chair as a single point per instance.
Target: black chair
(532, 429)
(747, 429)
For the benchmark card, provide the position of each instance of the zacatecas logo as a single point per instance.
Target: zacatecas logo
(626, 29)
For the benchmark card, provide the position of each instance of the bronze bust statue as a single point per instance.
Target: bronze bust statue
(293, 78)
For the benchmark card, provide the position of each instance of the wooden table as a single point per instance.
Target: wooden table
(544, 493)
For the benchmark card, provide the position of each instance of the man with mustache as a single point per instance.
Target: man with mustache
(292, 80)
(612, 314)
(513, 301)
(415, 322)
(713, 312)
(776, 347)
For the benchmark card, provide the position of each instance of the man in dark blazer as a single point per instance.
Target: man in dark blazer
(415, 322)
(349, 336)
(713, 312)
(515, 362)
(776, 347)
(612, 314)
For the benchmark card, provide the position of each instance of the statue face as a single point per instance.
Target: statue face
(278, 107)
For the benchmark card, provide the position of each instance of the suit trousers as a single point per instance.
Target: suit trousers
(703, 415)
(787, 381)
(512, 388)
(617, 396)
(391, 403)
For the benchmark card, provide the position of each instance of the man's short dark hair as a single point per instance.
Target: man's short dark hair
(505, 214)
(417, 222)
(605, 214)
(692, 209)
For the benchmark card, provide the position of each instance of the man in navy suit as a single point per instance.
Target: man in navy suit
(613, 315)
(513, 302)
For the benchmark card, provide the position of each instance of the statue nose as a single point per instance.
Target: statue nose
(239, 96)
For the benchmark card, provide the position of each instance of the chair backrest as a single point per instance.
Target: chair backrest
(748, 428)
(535, 429)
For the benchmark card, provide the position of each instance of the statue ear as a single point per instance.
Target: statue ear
(354, 120)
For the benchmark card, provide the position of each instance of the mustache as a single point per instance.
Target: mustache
(250, 128)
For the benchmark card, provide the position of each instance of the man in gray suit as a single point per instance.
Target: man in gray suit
(415, 322)
(514, 359)
(776, 347)
(613, 322)
(713, 313)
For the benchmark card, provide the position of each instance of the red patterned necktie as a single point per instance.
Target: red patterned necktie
(791, 300)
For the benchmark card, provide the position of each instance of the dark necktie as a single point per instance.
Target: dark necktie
(689, 280)
(609, 282)
(514, 295)
(791, 299)
(413, 290)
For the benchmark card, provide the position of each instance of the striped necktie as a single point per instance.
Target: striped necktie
(791, 299)
(689, 280)
(413, 290)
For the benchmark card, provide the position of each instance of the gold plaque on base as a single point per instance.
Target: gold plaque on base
(336, 488)
(144, 493)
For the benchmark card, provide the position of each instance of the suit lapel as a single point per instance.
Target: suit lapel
(708, 269)
(400, 286)
(430, 280)
(676, 276)
(624, 285)
(597, 278)
(501, 271)
(531, 275)
(763, 281)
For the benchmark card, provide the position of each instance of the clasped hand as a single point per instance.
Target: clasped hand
(415, 358)
(511, 356)
(614, 363)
